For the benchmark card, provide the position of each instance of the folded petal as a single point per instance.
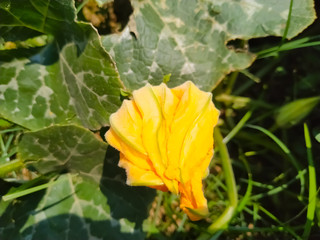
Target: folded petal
(137, 176)
(193, 106)
(197, 149)
(139, 169)
(127, 124)
(152, 126)
(132, 155)
(192, 200)
(168, 102)
(150, 110)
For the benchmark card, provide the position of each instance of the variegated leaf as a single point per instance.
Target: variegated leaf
(188, 38)
(58, 148)
(75, 208)
(81, 85)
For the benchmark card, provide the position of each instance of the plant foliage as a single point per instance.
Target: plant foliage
(60, 81)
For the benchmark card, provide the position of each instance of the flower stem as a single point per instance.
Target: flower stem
(226, 216)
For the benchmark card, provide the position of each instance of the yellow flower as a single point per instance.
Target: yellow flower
(165, 139)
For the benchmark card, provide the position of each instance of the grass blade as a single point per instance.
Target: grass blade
(286, 30)
(247, 195)
(312, 185)
(238, 127)
(274, 218)
(286, 151)
(22, 193)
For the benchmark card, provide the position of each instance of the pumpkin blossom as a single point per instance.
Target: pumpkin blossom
(165, 139)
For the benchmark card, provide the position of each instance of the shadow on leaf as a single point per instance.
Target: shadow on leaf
(125, 201)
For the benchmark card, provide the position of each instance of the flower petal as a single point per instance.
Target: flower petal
(150, 109)
(197, 149)
(192, 200)
(127, 124)
(137, 176)
(193, 104)
(134, 156)
(169, 103)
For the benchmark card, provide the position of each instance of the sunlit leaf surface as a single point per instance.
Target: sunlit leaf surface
(188, 38)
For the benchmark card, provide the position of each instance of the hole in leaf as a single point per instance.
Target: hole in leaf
(108, 18)
(238, 45)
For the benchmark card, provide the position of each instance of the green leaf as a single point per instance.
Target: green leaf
(59, 148)
(292, 113)
(259, 18)
(188, 38)
(43, 16)
(80, 86)
(75, 208)
(72, 80)
(17, 33)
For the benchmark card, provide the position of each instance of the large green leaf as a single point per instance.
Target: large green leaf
(40, 15)
(188, 38)
(94, 204)
(77, 209)
(59, 148)
(73, 82)
(247, 19)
